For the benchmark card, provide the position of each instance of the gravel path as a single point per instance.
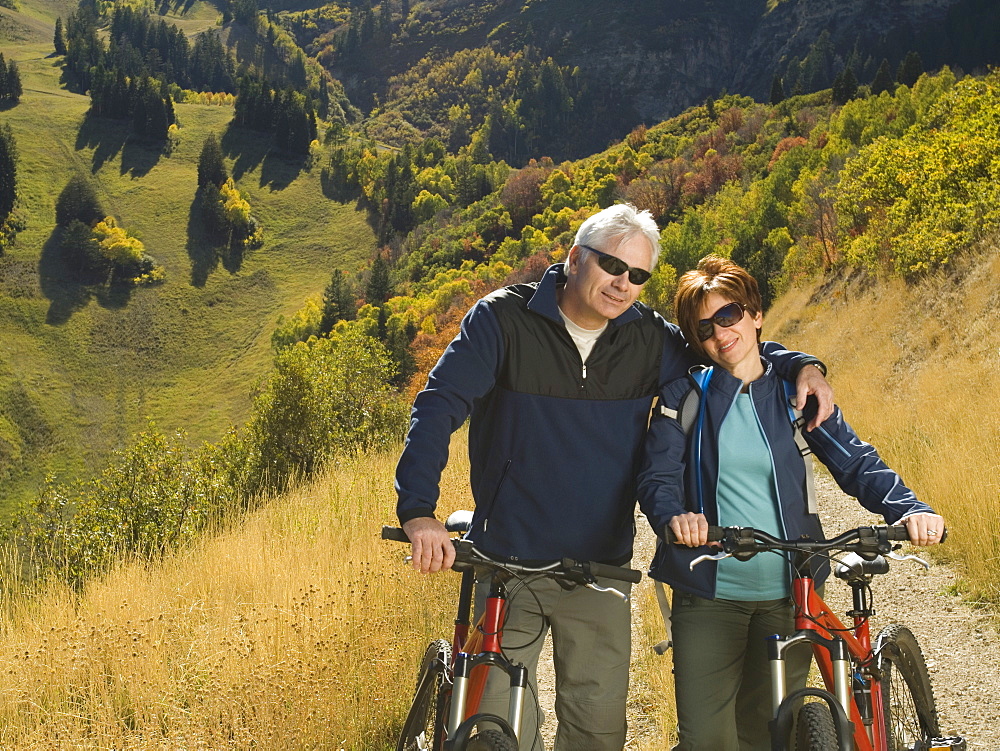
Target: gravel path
(960, 643)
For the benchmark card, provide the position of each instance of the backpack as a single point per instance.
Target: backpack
(690, 413)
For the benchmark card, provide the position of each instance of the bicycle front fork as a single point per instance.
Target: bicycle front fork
(839, 701)
(464, 665)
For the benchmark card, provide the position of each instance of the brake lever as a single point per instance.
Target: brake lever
(612, 590)
(908, 557)
(702, 558)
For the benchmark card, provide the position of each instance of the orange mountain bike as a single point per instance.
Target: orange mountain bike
(878, 695)
(444, 715)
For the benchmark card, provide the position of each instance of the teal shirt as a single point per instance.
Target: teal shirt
(747, 497)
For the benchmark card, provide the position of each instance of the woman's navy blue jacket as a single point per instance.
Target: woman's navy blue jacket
(554, 443)
(667, 482)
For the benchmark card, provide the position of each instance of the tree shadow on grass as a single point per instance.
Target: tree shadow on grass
(206, 250)
(201, 249)
(139, 156)
(246, 148)
(279, 170)
(65, 290)
(70, 287)
(105, 136)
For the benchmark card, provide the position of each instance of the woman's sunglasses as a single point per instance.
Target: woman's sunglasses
(617, 267)
(726, 316)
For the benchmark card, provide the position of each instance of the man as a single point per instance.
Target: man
(558, 378)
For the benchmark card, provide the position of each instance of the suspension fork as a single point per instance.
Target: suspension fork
(480, 652)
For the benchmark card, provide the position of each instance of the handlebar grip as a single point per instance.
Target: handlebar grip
(900, 532)
(616, 572)
(394, 533)
(715, 534)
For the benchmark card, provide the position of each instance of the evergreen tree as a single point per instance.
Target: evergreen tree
(59, 39)
(845, 86)
(777, 90)
(80, 245)
(338, 303)
(397, 342)
(211, 166)
(377, 290)
(8, 171)
(883, 79)
(910, 69)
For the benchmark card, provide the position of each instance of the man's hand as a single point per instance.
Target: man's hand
(690, 529)
(812, 381)
(432, 546)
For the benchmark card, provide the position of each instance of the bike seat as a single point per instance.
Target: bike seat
(852, 566)
(459, 521)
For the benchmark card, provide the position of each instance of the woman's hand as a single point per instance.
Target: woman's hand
(924, 529)
(690, 529)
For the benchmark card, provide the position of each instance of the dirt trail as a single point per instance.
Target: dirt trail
(960, 643)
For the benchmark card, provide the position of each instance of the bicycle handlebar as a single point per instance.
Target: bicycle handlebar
(579, 572)
(865, 541)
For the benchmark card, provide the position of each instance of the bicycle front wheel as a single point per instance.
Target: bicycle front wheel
(425, 728)
(491, 740)
(814, 728)
(907, 697)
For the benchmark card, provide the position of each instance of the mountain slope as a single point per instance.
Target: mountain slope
(82, 368)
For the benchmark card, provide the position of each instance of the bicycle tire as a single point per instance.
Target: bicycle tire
(907, 696)
(426, 723)
(491, 740)
(814, 728)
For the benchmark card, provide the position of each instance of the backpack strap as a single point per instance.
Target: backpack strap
(797, 420)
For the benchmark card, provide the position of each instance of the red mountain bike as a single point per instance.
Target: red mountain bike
(444, 715)
(878, 695)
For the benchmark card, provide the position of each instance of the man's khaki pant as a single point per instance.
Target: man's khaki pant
(591, 645)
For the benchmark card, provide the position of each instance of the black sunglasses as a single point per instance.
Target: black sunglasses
(726, 316)
(617, 267)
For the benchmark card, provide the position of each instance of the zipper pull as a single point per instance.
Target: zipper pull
(585, 371)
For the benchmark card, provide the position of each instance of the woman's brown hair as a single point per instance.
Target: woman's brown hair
(713, 274)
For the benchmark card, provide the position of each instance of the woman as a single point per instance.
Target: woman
(751, 474)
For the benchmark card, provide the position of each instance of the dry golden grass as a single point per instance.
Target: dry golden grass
(916, 369)
(654, 673)
(298, 629)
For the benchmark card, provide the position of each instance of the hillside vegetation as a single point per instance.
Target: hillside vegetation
(300, 624)
(133, 601)
(82, 369)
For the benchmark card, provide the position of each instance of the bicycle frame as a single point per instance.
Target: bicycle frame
(474, 653)
(834, 646)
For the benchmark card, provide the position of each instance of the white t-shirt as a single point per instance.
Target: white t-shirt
(583, 338)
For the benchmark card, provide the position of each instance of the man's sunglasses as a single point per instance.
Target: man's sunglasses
(726, 316)
(617, 267)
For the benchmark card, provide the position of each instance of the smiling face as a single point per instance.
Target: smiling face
(592, 296)
(733, 348)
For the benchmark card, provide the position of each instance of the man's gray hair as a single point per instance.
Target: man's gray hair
(610, 227)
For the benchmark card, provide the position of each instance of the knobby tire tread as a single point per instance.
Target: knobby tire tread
(907, 696)
(815, 730)
(491, 740)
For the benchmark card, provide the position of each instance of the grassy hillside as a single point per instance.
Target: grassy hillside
(208, 646)
(82, 369)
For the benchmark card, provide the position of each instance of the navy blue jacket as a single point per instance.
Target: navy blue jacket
(667, 482)
(554, 442)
